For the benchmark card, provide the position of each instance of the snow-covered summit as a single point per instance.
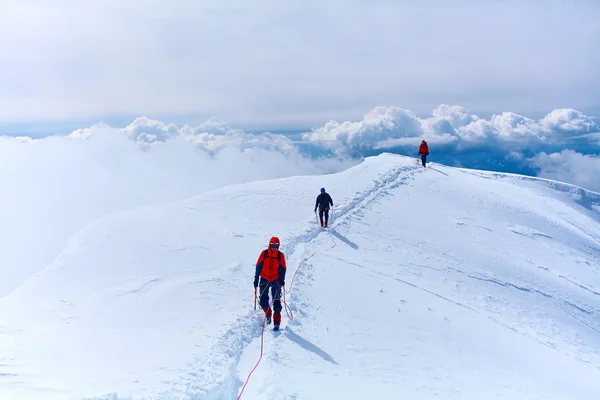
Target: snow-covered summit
(430, 283)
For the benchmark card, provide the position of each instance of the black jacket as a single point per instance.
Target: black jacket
(323, 201)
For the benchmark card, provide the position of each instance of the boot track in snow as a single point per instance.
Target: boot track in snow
(217, 377)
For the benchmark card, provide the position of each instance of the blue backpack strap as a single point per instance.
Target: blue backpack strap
(264, 255)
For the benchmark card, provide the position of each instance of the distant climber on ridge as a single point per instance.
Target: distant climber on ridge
(323, 202)
(271, 268)
(423, 152)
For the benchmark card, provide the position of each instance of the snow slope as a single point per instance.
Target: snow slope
(437, 283)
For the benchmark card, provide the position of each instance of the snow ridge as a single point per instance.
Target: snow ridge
(217, 377)
(487, 286)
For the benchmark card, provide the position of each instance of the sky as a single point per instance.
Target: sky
(286, 65)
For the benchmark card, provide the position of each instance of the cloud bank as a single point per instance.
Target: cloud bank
(453, 129)
(570, 166)
(563, 145)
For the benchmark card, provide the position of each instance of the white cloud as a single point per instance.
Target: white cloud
(147, 131)
(570, 166)
(82, 133)
(212, 136)
(511, 125)
(456, 116)
(438, 140)
(213, 125)
(281, 64)
(379, 125)
(569, 121)
(388, 127)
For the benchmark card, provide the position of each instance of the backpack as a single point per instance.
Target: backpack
(265, 256)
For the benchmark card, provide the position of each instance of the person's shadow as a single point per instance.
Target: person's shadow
(305, 344)
(343, 239)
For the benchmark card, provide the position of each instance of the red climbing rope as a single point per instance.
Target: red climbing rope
(296, 273)
(262, 340)
(259, 358)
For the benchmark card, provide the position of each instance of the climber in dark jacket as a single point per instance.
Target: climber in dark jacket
(323, 202)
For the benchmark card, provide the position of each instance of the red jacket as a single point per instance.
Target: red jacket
(271, 264)
(423, 149)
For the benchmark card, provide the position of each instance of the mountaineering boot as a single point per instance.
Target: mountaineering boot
(276, 321)
(268, 315)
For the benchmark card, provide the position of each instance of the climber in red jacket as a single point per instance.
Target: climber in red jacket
(271, 268)
(423, 152)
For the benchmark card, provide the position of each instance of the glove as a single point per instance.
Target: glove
(256, 282)
(281, 283)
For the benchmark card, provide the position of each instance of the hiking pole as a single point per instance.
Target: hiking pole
(255, 298)
(316, 217)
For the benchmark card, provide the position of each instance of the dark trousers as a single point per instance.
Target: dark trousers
(423, 158)
(326, 213)
(264, 286)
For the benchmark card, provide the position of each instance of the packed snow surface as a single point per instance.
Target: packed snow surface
(430, 282)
